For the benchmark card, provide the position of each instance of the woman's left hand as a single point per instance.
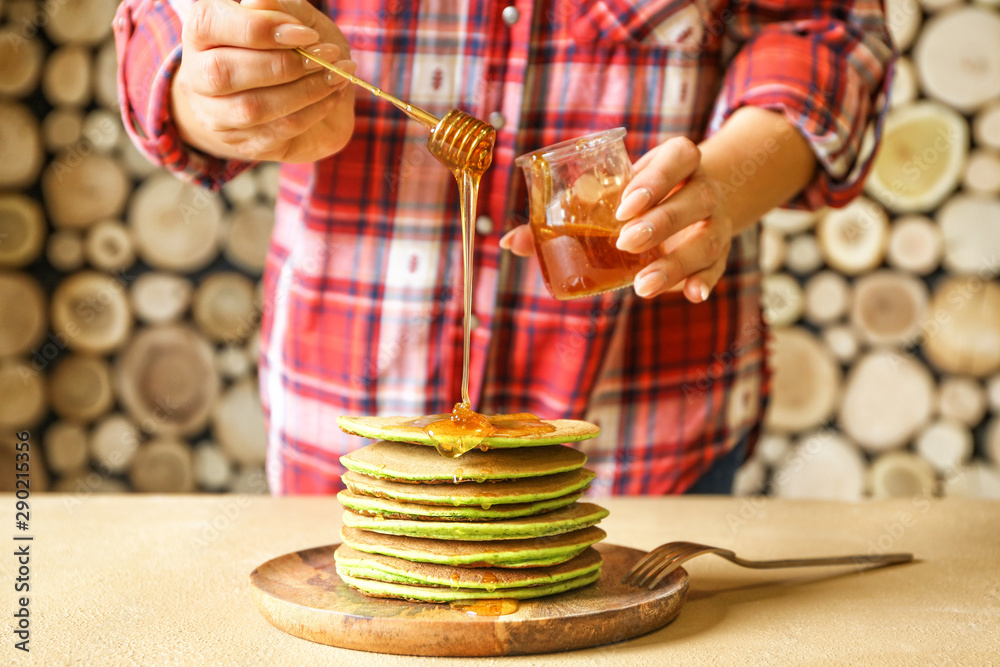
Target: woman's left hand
(672, 203)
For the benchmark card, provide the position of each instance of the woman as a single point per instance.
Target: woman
(745, 105)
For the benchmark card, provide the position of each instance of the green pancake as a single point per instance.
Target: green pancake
(362, 565)
(403, 462)
(484, 494)
(571, 517)
(394, 509)
(395, 429)
(532, 552)
(381, 589)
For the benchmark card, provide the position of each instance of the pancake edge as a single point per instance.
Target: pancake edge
(442, 595)
(541, 557)
(348, 424)
(419, 499)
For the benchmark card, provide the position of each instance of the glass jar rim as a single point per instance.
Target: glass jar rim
(572, 147)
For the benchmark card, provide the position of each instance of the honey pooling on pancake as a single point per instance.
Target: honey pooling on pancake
(464, 430)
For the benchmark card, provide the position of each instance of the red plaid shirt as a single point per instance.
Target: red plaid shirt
(363, 307)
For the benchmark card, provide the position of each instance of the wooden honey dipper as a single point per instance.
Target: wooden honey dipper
(458, 140)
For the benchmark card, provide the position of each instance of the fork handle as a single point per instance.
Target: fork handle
(880, 559)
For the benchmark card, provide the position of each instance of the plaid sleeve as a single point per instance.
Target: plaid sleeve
(824, 64)
(148, 40)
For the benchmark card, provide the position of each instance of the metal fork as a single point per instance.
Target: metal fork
(661, 561)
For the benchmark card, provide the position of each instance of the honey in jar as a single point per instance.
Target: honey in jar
(574, 189)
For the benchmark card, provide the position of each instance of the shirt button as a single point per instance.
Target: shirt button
(484, 224)
(496, 120)
(510, 15)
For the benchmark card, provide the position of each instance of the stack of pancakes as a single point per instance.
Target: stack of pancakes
(495, 524)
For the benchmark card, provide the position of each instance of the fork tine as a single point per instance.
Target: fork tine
(644, 561)
(651, 560)
(674, 564)
(671, 562)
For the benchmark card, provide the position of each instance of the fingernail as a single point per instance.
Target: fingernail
(505, 240)
(650, 283)
(289, 34)
(705, 291)
(333, 79)
(634, 238)
(327, 52)
(633, 204)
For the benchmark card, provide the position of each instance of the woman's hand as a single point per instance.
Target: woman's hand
(674, 205)
(242, 92)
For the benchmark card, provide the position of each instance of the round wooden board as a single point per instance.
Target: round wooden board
(301, 594)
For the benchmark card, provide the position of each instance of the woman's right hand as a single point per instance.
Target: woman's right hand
(242, 92)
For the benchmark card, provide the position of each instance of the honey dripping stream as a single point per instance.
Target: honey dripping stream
(465, 145)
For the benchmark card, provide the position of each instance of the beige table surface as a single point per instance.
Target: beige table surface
(163, 580)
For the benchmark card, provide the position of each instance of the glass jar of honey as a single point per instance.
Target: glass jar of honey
(574, 189)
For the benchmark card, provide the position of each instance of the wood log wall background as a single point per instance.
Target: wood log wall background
(131, 301)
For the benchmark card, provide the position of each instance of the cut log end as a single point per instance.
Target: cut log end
(823, 465)
(962, 399)
(224, 307)
(91, 311)
(827, 297)
(159, 298)
(782, 299)
(887, 399)
(114, 442)
(889, 307)
(901, 475)
(853, 239)
(773, 250)
(958, 58)
(806, 382)
(65, 445)
(915, 245)
(163, 466)
(20, 147)
(108, 246)
(20, 62)
(842, 342)
(212, 469)
(238, 424)
(23, 389)
(65, 250)
(62, 128)
(80, 388)
(67, 78)
(80, 190)
(175, 225)
(804, 255)
(972, 245)
(168, 365)
(982, 173)
(965, 338)
(24, 321)
(946, 444)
